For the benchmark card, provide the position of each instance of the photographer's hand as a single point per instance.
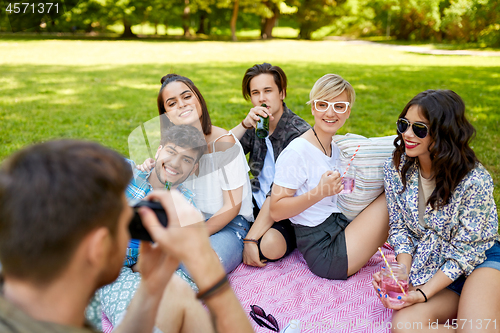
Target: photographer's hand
(185, 233)
(190, 244)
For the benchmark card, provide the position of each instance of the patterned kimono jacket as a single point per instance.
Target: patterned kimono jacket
(455, 236)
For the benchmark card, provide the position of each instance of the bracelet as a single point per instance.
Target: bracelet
(213, 290)
(243, 124)
(423, 294)
(250, 240)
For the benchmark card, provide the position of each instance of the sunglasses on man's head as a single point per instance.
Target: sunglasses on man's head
(419, 129)
(259, 315)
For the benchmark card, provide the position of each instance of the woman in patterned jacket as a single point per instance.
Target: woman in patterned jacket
(443, 220)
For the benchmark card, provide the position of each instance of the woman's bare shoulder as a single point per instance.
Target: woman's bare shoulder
(222, 138)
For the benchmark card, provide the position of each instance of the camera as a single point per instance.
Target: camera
(137, 230)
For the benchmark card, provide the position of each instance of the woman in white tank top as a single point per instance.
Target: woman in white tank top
(221, 184)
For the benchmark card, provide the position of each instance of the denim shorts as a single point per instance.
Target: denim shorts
(284, 227)
(492, 261)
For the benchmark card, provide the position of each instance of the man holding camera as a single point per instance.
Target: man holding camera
(63, 233)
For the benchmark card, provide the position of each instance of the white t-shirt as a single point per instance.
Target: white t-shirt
(218, 171)
(300, 167)
(266, 176)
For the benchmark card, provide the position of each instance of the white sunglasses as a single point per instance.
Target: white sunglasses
(338, 107)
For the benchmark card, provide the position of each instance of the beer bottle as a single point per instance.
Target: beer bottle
(262, 128)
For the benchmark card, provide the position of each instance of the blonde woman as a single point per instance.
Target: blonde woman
(306, 186)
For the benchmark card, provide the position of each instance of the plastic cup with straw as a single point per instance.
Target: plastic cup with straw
(392, 273)
(349, 181)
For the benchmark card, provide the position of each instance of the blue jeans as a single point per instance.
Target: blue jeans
(228, 243)
(492, 261)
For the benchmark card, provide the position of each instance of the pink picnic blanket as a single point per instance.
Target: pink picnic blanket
(289, 291)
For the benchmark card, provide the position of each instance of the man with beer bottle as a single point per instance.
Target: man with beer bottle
(265, 86)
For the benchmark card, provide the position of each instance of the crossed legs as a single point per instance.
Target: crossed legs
(180, 311)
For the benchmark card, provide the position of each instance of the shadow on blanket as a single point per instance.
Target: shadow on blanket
(288, 290)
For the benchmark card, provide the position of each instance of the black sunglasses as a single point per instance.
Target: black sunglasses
(257, 313)
(419, 129)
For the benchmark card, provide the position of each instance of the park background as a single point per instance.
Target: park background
(94, 72)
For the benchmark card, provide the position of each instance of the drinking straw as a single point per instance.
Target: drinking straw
(392, 273)
(347, 168)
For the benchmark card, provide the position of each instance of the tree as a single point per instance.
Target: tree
(234, 18)
(21, 18)
(185, 18)
(473, 21)
(269, 20)
(128, 12)
(235, 6)
(192, 7)
(162, 12)
(269, 11)
(314, 14)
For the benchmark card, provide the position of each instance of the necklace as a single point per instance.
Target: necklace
(316, 135)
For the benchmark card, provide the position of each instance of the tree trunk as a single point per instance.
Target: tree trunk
(185, 19)
(266, 31)
(127, 32)
(234, 18)
(203, 23)
(305, 33)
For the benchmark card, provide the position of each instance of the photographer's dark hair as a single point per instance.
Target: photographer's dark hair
(265, 68)
(206, 122)
(185, 136)
(451, 156)
(51, 196)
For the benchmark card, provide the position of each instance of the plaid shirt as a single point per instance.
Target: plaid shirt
(137, 189)
(290, 126)
(139, 186)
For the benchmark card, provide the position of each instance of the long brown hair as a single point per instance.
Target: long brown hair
(451, 156)
(206, 122)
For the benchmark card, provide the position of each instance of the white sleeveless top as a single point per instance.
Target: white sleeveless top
(218, 171)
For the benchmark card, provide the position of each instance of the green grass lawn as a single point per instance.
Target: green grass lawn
(451, 45)
(102, 90)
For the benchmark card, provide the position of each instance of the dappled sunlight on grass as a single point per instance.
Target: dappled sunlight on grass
(278, 32)
(175, 54)
(102, 90)
(365, 87)
(483, 113)
(115, 106)
(147, 87)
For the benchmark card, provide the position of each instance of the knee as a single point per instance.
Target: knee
(178, 289)
(273, 245)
